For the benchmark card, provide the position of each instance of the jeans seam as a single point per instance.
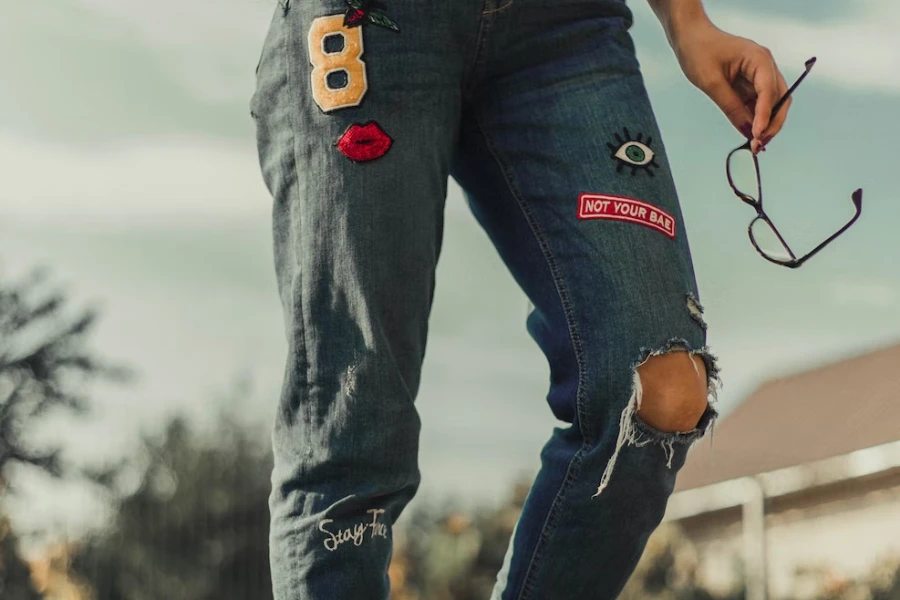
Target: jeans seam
(575, 463)
(479, 57)
(289, 42)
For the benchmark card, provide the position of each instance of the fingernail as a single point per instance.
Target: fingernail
(766, 140)
(747, 130)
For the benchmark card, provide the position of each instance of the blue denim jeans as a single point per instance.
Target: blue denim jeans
(538, 109)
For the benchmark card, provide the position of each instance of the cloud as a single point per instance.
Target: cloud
(212, 46)
(870, 293)
(202, 24)
(80, 72)
(168, 177)
(857, 49)
(157, 177)
(860, 51)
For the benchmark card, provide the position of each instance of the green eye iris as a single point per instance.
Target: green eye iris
(635, 153)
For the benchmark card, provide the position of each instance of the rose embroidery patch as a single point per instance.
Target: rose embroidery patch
(368, 11)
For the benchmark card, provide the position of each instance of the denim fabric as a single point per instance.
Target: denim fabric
(529, 105)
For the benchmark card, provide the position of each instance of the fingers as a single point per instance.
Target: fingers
(728, 100)
(778, 120)
(765, 82)
(770, 86)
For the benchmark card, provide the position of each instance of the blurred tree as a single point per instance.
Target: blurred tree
(668, 570)
(452, 549)
(15, 579)
(43, 365)
(884, 579)
(447, 553)
(495, 531)
(881, 582)
(196, 527)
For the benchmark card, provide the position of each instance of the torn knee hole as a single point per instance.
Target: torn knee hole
(674, 391)
(669, 405)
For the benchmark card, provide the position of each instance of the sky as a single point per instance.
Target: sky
(129, 167)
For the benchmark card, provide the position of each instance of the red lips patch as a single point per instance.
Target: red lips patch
(364, 142)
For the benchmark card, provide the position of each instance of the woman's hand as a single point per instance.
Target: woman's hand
(739, 75)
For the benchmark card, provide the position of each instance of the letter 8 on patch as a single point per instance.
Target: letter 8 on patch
(346, 60)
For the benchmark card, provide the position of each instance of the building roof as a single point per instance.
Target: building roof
(817, 414)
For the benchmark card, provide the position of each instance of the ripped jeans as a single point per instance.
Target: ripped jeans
(538, 109)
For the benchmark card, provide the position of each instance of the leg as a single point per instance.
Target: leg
(357, 233)
(673, 391)
(558, 141)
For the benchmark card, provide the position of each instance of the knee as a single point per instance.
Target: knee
(674, 394)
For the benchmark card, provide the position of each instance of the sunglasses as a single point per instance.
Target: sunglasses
(762, 227)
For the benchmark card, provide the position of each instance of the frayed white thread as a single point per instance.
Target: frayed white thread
(696, 310)
(712, 393)
(694, 362)
(351, 380)
(712, 389)
(668, 447)
(692, 308)
(626, 430)
(498, 9)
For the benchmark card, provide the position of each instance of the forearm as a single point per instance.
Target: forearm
(676, 15)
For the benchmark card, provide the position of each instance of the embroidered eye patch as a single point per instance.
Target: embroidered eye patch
(633, 152)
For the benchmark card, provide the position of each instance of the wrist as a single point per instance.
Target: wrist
(680, 16)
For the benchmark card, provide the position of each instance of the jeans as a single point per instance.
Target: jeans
(538, 109)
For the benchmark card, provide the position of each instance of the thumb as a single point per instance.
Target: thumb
(727, 99)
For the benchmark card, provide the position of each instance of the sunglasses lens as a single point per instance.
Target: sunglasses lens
(743, 173)
(767, 242)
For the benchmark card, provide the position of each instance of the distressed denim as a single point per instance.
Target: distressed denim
(538, 109)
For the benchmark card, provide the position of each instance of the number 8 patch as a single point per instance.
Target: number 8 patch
(345, 60)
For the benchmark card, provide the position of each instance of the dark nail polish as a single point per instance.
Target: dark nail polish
(747, 130)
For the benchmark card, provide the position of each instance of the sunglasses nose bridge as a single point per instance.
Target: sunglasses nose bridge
(751, 201)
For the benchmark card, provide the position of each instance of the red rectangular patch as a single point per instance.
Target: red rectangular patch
(620, 208)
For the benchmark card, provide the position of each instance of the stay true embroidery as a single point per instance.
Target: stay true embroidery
(356, 534)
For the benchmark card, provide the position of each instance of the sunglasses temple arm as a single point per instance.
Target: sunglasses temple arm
(787, 94)
(832, 237)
